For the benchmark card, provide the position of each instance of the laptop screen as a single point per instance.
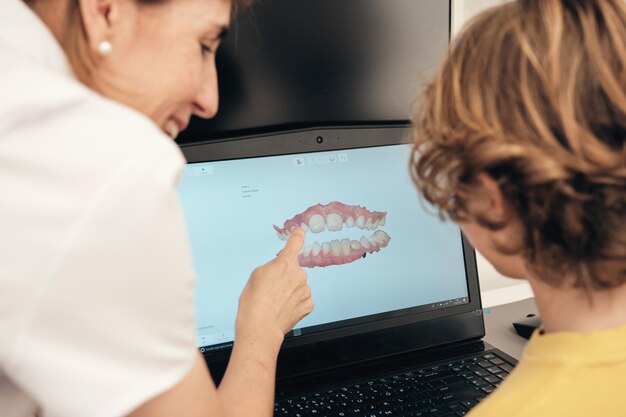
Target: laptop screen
(372, 249)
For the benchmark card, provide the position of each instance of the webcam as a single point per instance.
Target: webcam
(319, 139)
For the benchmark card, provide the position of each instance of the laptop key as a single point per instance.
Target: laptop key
(469, 403)
(460, 385)
(487, 389)
(282, 411)
(506, 367)
(438, 412)
(450, 380)
(467, 375)
(492, 379)
(469, 393)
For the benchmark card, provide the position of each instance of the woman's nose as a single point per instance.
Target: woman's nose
(206, 101)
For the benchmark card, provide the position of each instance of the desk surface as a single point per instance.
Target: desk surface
(499, 325)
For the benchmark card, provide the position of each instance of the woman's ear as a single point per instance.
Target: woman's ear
(99, 19)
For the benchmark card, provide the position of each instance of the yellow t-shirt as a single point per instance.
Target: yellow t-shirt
(564, 374)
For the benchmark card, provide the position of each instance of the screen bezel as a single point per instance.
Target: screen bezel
(345, 138)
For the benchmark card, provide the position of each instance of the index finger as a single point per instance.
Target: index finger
(294, 243)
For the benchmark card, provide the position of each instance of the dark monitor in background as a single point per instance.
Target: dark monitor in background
(291, 64)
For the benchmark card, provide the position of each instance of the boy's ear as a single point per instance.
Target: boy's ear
(492, 201)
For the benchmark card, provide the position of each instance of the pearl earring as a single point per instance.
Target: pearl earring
(105, 47)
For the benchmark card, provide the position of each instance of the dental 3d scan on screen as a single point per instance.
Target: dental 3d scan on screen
(371, 246)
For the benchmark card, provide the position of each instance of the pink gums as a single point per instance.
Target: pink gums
(344, 210)
(330, 259)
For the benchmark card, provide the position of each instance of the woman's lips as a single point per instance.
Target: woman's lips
(332, 217)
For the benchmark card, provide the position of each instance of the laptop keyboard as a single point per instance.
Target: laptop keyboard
(448, 389)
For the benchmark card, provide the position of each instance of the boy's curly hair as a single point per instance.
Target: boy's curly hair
(533, 93)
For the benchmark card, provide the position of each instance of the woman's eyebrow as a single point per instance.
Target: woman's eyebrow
(217, 31)
(223, 32)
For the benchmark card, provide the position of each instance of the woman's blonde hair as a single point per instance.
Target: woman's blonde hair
(533, 93)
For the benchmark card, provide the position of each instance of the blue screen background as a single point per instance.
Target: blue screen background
(230, 207)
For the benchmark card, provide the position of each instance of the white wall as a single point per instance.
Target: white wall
(463, 10)
(495, 288)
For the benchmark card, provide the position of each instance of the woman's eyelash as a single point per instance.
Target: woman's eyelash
(206, 49)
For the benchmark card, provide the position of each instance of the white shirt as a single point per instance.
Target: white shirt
(96, 278)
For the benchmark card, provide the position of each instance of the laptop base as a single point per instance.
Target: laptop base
(444, 382)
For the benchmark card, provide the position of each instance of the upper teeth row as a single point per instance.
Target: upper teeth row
(334, 222)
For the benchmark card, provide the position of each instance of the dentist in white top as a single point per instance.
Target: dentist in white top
(96, 278)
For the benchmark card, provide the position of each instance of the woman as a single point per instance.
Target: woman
(96, 279)
(521, 139)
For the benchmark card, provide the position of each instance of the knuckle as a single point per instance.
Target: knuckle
(302, 275)
(259, 270)
(281, 263)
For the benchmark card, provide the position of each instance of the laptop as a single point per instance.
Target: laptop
(398, 322)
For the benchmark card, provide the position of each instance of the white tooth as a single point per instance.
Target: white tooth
(334, 222)
(354, 244)
(325, 248)
(316, 249)
(375, 225)
(335, 247)
(304, 227)
(281, 236)
(381, 237)
(306, 251)
(383, 220)
(171, 128)
(368, 223)
(350, 222)
(372, 241)
(345, 246)
(365, 242)
(360, 222)
(375, 238)
(316, 223)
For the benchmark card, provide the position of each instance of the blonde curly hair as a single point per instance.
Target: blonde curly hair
(533, 93)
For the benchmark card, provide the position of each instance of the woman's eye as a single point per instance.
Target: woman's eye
(206, 49)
